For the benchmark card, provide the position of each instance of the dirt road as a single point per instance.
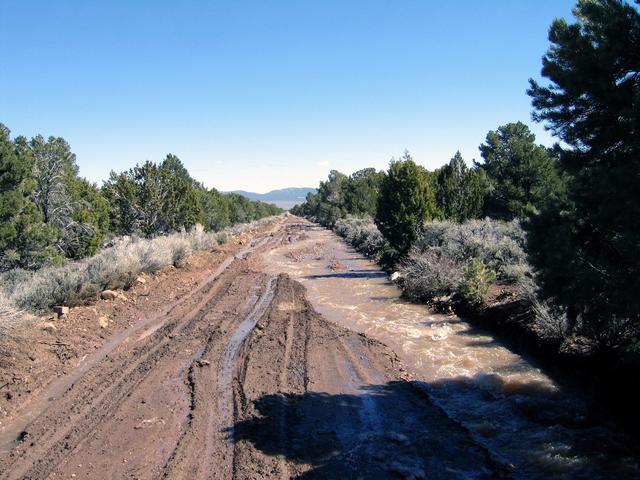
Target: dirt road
(239, 377)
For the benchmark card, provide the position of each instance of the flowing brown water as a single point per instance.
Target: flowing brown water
(507, 403)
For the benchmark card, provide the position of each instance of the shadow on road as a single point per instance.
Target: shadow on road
(349, 274)
(395, 431)
(384, 431)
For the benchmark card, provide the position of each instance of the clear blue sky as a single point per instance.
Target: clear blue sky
(267, 94)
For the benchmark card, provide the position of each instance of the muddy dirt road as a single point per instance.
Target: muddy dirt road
(240, 377)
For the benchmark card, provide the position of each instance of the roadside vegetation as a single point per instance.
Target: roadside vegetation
(49, 214)
(541, 242)
(116, 267)
(63, 239)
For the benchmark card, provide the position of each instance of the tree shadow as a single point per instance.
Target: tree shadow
(394, 430)
(383, 431)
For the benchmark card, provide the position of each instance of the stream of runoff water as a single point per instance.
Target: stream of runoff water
(526, 420)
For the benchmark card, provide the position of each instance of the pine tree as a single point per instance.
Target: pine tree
(522, 175)
(587, 248)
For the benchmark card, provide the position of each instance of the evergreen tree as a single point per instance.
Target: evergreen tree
(181, 206)
(215, 209)
(54, 166)
(89, 221)
(25, 240)
(153, 199)
(125, 213)
(407, 200)
(522, 175)
(331, 203)
(460, 190)
(68, 203)
(361, 192)
(587, 248)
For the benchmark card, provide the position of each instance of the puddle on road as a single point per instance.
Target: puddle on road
(509, 405)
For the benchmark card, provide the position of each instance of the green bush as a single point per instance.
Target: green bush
(476, 281)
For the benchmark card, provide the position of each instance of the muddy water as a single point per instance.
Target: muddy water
(509, 406)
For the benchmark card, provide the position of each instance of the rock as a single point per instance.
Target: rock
(109, 295)
(49, 327)
(103, 322)
(394, 276)
(60, 310)
(203, 363)
(141, 280)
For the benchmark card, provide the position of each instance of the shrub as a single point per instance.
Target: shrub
(112, 268)
(363, 234)
(435, 264)
(547, 322)
(476, 281)
(429, 274)
(499, 245)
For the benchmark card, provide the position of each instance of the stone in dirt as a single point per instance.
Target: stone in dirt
(103, 322)
(49, 327)
(141, 280)
(108, 295)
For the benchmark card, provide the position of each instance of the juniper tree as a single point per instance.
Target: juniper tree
(361, 192)
(460, 190)
(25, 240)
(407, 200)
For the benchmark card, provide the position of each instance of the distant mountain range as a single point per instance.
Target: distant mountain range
(283, 198)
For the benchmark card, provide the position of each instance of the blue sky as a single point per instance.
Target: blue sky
(268, 94)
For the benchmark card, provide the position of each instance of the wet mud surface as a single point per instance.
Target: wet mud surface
(534, 426)
(270, 365)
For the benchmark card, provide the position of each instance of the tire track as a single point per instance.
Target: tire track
(124, 379)
(113, 379)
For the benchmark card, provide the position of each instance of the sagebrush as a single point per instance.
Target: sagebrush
(115, 267)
